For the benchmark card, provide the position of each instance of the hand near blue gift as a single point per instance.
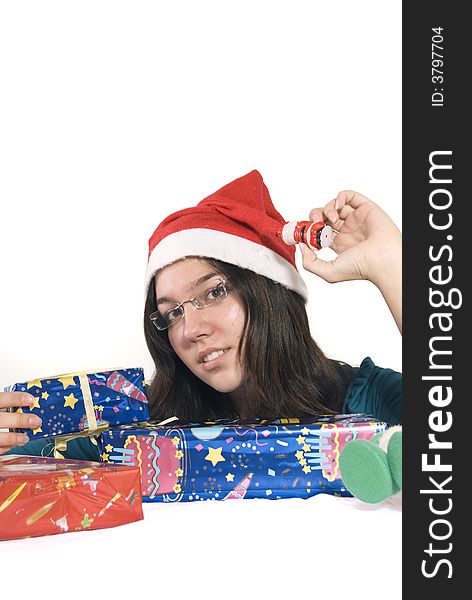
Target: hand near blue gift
(17, 420)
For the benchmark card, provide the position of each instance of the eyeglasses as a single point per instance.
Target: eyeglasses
(208, 297)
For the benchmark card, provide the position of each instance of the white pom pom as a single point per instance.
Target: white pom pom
(287, 233)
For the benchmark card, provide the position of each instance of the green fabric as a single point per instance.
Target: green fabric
(78, 449)
(377, 392)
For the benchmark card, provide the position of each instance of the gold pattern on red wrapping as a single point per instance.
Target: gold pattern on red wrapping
(13, 496)
(40, 513)
(65, 482)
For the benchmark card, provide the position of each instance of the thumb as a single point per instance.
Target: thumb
(311, 262)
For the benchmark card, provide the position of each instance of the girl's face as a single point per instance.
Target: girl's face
(200, 334)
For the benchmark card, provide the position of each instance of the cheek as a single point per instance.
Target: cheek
(173, 340)
(235, 318)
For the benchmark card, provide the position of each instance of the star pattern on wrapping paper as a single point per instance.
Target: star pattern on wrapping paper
(214, 455)
(104, 456)
(44, 396)
(67, 381)
(300, 440)
(306, 447)
(299, 454)
(35, 403)
(37, 430)
(306, 469)
(34, 383)
(70, 400)
(19, 410)
(229, 477)
(305, 431)
(108, 447)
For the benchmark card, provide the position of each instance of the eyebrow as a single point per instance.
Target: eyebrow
(196, 283)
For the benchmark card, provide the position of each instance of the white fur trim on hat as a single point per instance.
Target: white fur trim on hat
(228, 248)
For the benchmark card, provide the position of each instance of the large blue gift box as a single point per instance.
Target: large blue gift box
(85, 402)
(229, 460)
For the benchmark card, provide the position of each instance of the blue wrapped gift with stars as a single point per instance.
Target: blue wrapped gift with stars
(81, 403)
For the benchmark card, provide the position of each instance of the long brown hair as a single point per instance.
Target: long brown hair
(285, 373)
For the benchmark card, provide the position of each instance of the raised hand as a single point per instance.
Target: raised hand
(368, 246)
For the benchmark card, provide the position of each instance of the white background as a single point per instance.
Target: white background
(114, 114)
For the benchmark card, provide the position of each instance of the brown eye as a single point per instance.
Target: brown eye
(173, 314)
(216, 293)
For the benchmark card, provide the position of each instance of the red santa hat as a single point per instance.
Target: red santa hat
(238, 225)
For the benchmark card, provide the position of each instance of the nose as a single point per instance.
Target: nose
(197, 323)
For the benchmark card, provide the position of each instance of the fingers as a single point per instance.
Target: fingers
(345, 211)
(11, 440)
(350, 198)
(339, 209)
(327, 215)
(16, 420)
(3, 450)
(13, 399)
(19, 421)
(322, 268)
(331, 214)
(316, 214)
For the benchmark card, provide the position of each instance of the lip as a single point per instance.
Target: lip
(211, 364)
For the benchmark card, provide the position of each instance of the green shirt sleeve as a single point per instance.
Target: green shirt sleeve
(81, 448)
(376, 391)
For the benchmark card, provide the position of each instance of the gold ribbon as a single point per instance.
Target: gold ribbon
(88, 402)
(60, 442)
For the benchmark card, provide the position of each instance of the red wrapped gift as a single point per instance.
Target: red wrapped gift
(42, 496)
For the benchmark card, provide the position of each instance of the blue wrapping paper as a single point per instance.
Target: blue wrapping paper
(80, 403)
(232, 460)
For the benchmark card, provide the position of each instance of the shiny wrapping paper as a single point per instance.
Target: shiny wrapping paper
(43, 496)
(84, 402)
(232, 460)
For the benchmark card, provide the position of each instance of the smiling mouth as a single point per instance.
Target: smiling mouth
(213, 355)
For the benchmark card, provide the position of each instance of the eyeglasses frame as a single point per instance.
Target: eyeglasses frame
(194, 302)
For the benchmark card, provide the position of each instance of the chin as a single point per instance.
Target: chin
(222, 384)
(224, 388)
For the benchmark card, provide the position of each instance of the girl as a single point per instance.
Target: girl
(225, 319)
